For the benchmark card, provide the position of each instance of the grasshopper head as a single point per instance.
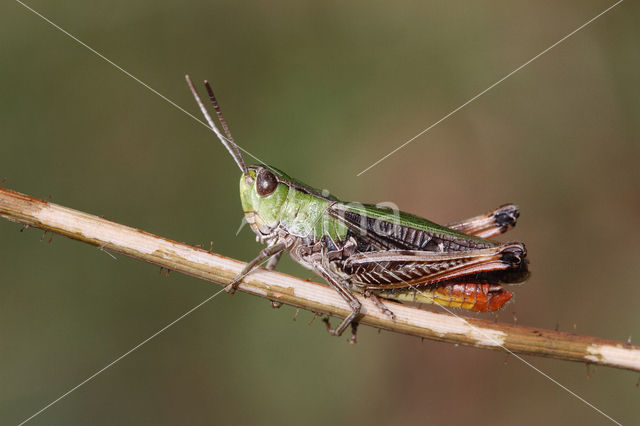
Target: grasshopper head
(262, 195)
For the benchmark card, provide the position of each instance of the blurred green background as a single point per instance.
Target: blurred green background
(320, 90)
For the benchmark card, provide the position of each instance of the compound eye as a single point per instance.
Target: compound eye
(266, 183)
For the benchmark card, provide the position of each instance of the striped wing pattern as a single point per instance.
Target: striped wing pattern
(399, 232)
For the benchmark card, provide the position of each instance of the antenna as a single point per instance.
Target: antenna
(216, 107)
(228, 143)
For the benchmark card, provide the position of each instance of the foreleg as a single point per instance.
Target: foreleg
(264, 253)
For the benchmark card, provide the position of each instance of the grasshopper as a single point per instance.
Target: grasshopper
(381, 253)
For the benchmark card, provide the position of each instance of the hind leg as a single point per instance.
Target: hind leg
(376, 301)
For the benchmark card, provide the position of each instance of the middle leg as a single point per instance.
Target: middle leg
(342, 287)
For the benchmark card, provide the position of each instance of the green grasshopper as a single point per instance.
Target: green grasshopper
(373, 250)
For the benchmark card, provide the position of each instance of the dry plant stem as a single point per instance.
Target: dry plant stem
(173, 255)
